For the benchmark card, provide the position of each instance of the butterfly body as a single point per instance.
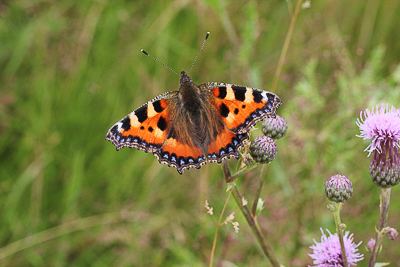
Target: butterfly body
(196, 124)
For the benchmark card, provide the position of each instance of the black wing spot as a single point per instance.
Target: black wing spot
(141, 113)
(150, 129)
(243, 106)
(157, 106)
(162, 124)
(240, 92)
(257, 96)
(141, 128)
(236, 111)
(126, 123)
(224, 110)
(222, 92)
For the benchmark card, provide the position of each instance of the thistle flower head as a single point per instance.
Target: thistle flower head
(328, 253)
(381, 126)
(263, 149)
(274, 127)
(338, 188)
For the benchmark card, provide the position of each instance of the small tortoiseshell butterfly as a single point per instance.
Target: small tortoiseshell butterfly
(195, 125)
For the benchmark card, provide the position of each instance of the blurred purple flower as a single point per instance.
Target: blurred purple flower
(329, 254)
(371, 244)
(382, 127)
(391, 233)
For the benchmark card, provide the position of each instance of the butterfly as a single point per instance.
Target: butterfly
(195, 125)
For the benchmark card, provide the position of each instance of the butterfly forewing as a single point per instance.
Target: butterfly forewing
(240, 107)
(146, 128)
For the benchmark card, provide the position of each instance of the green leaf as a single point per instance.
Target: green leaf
(380, 264)
(260, 206)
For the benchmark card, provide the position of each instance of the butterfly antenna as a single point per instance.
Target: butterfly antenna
(205, 39)
(144, 52)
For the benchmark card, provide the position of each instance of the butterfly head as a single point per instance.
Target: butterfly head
(185, 79)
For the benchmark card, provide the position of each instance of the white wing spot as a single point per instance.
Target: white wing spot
(119, 126)
(264, 95)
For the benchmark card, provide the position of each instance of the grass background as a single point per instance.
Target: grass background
(70, 69)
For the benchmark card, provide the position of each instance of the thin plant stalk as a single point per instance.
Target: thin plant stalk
(339, 230)
(61, 230)
(216, 232)
(260, 186)
(266, 248)
(286, 45)
(242, 171)
(384, 211)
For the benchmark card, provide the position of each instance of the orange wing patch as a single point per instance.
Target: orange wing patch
(239, 107)
(145, 128)
(179, 155)
(226, 144)
(182, 156)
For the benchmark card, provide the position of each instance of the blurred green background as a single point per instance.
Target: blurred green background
(70, 69)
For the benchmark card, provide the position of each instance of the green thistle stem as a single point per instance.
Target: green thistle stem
(242, 171)
(260, 186)
(339, 230)
(266, 248)
(384, 207)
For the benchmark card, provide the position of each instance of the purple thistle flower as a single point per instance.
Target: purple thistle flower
(382, 127)
(329, 254)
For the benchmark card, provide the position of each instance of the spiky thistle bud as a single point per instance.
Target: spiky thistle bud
(263, 149)
(385, 170)
(274, 127)
(338, 188)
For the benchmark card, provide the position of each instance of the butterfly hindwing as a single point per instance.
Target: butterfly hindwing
(240, 107)
(225, 145)
(146, 128)
(179, 155)
(182, 156)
